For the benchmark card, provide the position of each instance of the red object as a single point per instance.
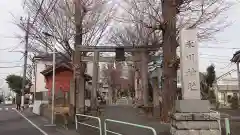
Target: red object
(63, 77)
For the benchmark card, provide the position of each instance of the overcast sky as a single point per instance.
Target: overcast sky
(219, 55)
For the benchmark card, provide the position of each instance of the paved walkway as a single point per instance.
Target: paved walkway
(44, 123)
(13, 122)
(120, 113)
(132, 115)
(126, 114)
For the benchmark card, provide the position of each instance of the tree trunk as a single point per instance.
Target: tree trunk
(79, 68)
(169, 55)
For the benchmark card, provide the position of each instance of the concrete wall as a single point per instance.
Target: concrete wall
(36, 106)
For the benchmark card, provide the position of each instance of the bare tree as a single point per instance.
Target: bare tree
(206, 15)
(168, 17)
(69, 24)
(56, 17)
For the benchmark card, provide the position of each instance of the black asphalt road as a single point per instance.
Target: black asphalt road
(12, 123)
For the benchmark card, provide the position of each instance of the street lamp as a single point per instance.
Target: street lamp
(53, 76)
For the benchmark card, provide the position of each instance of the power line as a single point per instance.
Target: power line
(227, 66)
(4, 49)
(212, 55)
(215, 47)
(11, 67)
(10, 62)
(219, 62)
(214, 58)
(10, 73)
(11, 48)
(8, 36)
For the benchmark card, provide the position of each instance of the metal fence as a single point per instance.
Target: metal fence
(88, 116)
(224, 123)
(125, 123)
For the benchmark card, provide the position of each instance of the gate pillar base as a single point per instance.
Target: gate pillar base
(192, 118)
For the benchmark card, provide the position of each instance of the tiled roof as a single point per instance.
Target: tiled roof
(64, 64)
(49, 57)
(57, 65)
(235, 57)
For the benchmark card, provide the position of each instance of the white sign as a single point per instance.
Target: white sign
(189, 64)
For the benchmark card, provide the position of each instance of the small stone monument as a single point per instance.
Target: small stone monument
(192, 116)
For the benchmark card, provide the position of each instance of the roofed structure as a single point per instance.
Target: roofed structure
(62, 64)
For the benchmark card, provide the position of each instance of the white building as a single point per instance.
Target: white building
(227, 86)
(40, 62)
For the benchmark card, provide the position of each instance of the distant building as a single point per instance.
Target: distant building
(40, 62)
(226, 87)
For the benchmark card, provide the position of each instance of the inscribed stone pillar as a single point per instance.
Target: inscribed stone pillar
(192, 116)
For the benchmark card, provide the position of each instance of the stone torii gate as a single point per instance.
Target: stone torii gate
(144, 59)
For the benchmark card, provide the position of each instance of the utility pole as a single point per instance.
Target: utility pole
(53, 83)
(25, 62)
